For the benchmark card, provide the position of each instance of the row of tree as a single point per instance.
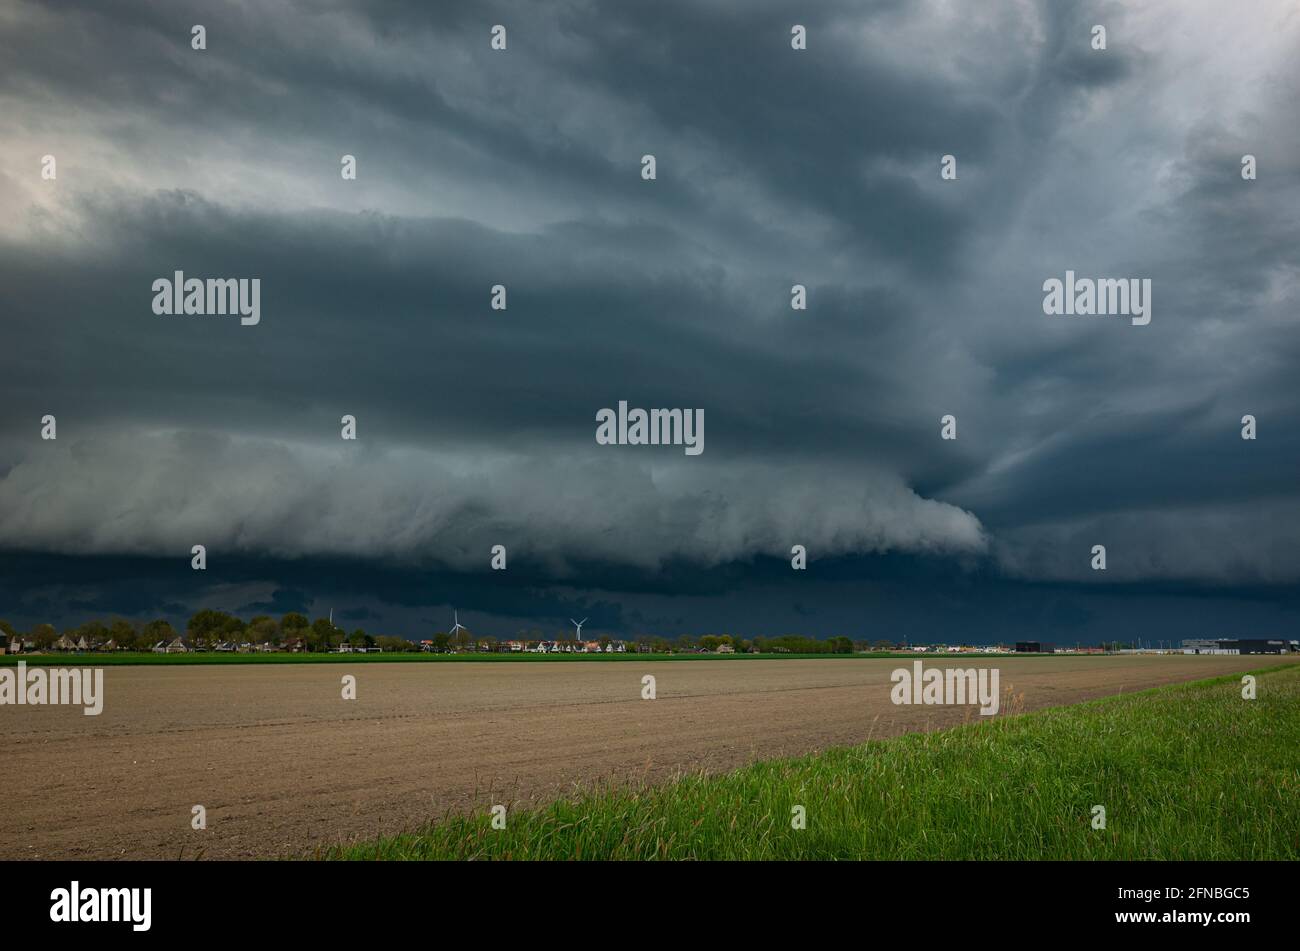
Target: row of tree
(208, 628)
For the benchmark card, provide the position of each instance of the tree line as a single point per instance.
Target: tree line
(208, 628)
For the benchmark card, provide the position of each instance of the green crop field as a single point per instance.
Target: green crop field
(1192, 771)
(129, 658)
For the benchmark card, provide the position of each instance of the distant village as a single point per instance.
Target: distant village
(220, 632)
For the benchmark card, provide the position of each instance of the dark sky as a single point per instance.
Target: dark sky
(476, 427)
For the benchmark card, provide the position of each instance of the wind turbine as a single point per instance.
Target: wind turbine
(456, 625)
(578, 625)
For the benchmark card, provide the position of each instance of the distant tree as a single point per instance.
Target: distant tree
(294, 624)
(320, 636)
(93, 631)
(234, 630)
(44, 635)
(710, 642)
(139, 641)
(263, 629)
(124, 632)
(8, 629)
(207, 627)
(463, 638)
(155, 631)
(360, 638)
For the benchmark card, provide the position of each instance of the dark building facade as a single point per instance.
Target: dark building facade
(1257, 645)
(1240, 645)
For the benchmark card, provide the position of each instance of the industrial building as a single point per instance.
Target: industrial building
(1032, 647)
(1239, 645)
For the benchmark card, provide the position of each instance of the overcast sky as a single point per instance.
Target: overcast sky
(522, 167)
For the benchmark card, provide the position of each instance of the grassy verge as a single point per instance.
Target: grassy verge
(1191, 771)
(129, 658)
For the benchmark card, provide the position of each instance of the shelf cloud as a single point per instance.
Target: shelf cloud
(522, 170)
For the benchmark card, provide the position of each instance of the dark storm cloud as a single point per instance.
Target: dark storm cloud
(284, 600)
(599, 317)
(522, 168)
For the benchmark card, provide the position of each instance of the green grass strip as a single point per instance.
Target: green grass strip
(142, 659)
(1190, 771)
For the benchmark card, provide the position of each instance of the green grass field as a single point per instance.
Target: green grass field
(130, 658)
(1191, 771)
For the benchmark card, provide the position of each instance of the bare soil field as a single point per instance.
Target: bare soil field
(283, 764)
